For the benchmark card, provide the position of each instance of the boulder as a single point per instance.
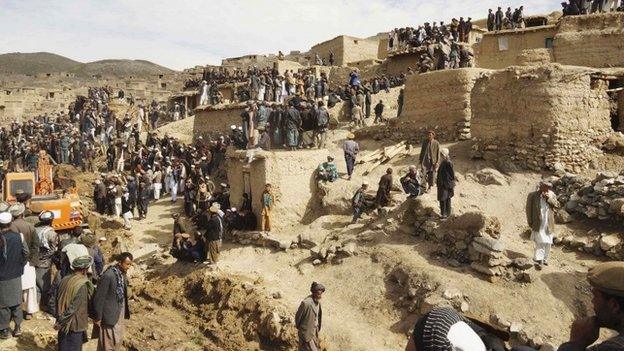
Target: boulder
(562, 217)
(522, 263)
(607, 242)
(490, 176)
(490, 243)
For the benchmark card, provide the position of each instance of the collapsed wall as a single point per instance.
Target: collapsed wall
(595, 40)
(291, 174)
(439, 100)
(540, 117)
(216, 119)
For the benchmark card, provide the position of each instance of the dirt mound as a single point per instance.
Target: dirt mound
(233, 312)
(182, 129)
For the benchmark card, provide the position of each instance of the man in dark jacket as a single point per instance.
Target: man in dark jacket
(383, 192)
(430, 157)
(322, 125)
(214, 234)
(13, 257)
(292, 126)
(446, 184)
(110, 303)
(308, 319)
(379, 108)
(498, 19)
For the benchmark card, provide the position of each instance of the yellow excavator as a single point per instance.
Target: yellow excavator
(65, 204)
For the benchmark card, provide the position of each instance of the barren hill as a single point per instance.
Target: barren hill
(120, 68)
(35, 63)
(45, 62)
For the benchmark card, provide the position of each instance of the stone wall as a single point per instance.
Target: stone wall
(290, 173)
(512, 47)
(540, 117)
(216, 119)
(439, 100)
(469, 238)
(593, 40)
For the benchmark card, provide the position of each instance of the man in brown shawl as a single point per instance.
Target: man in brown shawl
(72, 306)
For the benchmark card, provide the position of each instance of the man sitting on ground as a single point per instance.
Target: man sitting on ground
(327, 171)
(411, 182)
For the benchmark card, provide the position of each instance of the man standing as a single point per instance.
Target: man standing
(13, 257)
(359, 202)
(214, 234)
(383, 192)
(540, 217)
(498, 19)
(379, 108)
(267, 207)
(322, 124)
(29, 278)
(308, 319)
(490, 20)
(351, 149)
(446, 184)
(430, 157)
(49, 242)
(110, 304)
(292, 124)
(72, 306)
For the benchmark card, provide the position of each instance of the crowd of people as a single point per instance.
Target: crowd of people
(440, 46)
(64, 275)
(584, 7)
(507, 20)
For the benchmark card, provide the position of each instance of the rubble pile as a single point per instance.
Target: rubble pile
(601, 198)
(470, 238)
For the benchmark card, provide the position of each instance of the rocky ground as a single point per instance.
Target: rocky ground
(380, 274)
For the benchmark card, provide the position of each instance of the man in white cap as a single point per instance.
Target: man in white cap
(540, 217)
(29, 278)
(214, 234)
(49, 240)
(13, 257)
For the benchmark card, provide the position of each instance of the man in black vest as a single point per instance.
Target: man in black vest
(13, 258)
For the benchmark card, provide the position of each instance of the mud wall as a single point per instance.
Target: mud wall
(292, 177)
(592, 40)
(540, 117)
(511, 48)
(398, 64)
(439, 100)
(211, 120)
(347, 50)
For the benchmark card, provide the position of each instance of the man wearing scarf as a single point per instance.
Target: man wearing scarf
(110, 304)
(72, 302)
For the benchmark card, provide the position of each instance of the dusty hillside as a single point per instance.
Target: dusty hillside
(120, 68)
(45, 62)
(35, 63)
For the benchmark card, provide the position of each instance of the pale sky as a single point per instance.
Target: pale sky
(184, 33)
